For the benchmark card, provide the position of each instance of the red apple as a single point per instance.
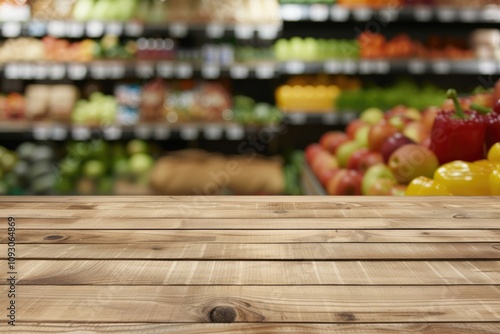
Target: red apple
(311, 151)
(416, 131)
(392, 143)
(370, 159)
(345, 182)
(322, 161)
(353, 126)
(378, 133)
(394, 111)
(381, 187)
(354, 161)
(330, 140)
(325, 175)
(411, 161)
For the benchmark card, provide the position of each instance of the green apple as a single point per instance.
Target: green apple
(371, 115)
(94, 169)
(374, 173)
(345, 150)
(140, 163)
(361, 135)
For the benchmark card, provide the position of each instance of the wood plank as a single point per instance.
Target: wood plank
(303, 251)
(198, 200)
(100, 223)
(108, 272)
(236, 328)
(249, 236)
(178, 212)
(258, 303)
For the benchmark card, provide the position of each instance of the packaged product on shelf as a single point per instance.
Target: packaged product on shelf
(128, 99)
(12, 106)
(62, 101)
(152, 100)
(203, 101)
(52, 10)
(37, 101)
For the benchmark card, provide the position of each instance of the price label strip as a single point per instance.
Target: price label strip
(42, 132)
(75, 29)
(213, 132)
(178, 30)
(243, 31)
(184, 71)
(318, 12)
(165, 69)
(11, 29)
(210, 71)
(239, 72)
(215, 30)
(143, 132)
(57, 28)
(161, 132)
(235, 132)
(77, 71)
(112, 133)
(81, 133)
(339, 13)
(264, 71)
(188, 132)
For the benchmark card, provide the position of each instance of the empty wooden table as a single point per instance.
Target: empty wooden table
(250, 264)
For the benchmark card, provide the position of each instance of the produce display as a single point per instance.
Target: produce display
(375, 45)
(312, 49)
(179, 173)
(154, 12)
(99, 167)
(402, 93)
(382, 153)
(154, 101)
(313, 93)
(29, 170)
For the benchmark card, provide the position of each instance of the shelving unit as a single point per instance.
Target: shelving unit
(256, 76)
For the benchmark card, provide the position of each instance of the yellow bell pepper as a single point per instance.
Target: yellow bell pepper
(495, 182)
(494, 153)
(424, 186)
(465, 178)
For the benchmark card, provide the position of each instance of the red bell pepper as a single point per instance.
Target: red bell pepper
(458, 134)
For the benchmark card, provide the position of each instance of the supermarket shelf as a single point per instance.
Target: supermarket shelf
(309, 183)
(101, 70)
(95, 29)
(337, 13)
(23, 130)
(324, 118)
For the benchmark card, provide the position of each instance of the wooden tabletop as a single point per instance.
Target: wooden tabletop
(251, 264)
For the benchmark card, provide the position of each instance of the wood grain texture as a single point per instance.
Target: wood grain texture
(293, 251)
(249, 328)
(259, 303)
(258, 264)
(109, 272)
(250, 236)
(106, 223)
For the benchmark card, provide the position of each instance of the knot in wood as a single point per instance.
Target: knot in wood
(222, 314)
(53, 237)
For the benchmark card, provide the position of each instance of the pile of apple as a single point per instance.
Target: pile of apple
(378, 154)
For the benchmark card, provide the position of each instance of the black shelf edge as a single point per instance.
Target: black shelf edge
(53, 131)
(115, 69)
(96, 29)
(338, 13)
